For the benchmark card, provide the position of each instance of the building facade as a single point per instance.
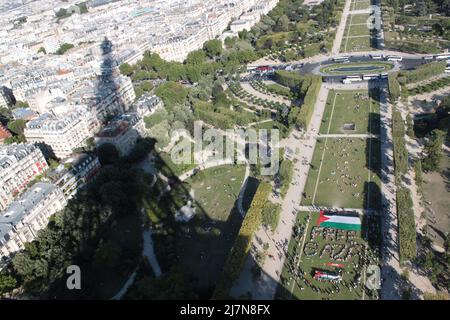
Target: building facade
(122, 132)
(75, 172)
(22, 220)
(19, 164)
(60, 135)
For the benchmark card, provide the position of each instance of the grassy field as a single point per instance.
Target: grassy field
(359, 4)
(356, 44)
(306, 254)
(216, 189)
(204, 242)
(358, 107)
(357, 30)
(339, 174)
(357, 19)
(357, 34)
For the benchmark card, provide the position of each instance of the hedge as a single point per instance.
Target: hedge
(406, 225)
(239, 252)
(423, 72)
(311, 87)
(394, 86)
(400, 152)
(288, 79)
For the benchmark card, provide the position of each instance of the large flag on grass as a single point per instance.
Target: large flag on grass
(345, 222)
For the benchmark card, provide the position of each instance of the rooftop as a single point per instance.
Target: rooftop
(23, 206)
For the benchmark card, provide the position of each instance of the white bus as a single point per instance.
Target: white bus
(442, 56)
(394, 58)
(376, 56)
(370, 76)
(350, 79)
(340, 59)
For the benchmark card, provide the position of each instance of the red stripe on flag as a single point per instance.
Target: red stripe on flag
(322, 218)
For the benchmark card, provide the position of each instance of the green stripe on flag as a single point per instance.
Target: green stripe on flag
(343, 226)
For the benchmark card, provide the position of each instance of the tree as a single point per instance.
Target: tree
(410, 126)
(126, 69)
(17, 126)
(433, 151)
(229, 42)
(282, 24)
(7, 283)
(107, 154)
(196, 57)
(21, 104)
(172, 93)
(63, 48)
(172, 285)
(213, 48)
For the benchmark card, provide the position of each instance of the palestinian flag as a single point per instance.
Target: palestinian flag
(344, 222)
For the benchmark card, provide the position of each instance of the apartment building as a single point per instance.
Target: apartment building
(122, 132)
(113, 96)
(22, 220)
(6, 98)
(19, 164)
(74, 172)
(60, 135)
(147, 104)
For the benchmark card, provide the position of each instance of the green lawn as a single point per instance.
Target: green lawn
(357, 30)
(313, 256)
(357, 107)
(342, 178)
(356, 44)
(360, 4)
(216, 189)
(203, 243)
(357, 34)
(357, 18)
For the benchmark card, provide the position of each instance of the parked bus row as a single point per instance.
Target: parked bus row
(364, 77)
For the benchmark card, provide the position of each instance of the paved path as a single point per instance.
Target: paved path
(390, 268)
(149, 252)
(341, 28)
(348, 135)
(318, 208)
